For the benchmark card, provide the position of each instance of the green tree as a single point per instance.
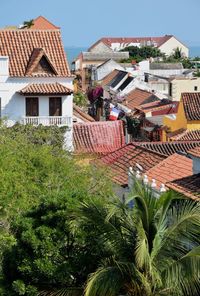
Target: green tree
(50, 254)
(34, 167)
(141, 53)
(155, 246)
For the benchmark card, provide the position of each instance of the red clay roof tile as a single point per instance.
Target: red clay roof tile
(138, 97)
(185, 135)
(77, 112)
(45, 89)
(108, 78)
(195, 152)
(18, 45)
(98, 137)
(41, 23)
(173, 167)
(169, 148)
(119, 161)
(188, 186)
(158, 41)
(191, 103)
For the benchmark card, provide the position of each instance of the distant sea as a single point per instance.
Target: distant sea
(73, 52)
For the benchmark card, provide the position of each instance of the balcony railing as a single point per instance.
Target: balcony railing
(47, 120)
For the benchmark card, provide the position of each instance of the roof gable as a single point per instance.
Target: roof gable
(125, 41)
(41, 23)
(18, 45)
(40, 64)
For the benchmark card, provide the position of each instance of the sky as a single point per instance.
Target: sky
(85, 21)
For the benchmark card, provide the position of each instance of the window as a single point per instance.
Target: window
(32, 107)
(195, 88)
(55, 106)
(170, 89)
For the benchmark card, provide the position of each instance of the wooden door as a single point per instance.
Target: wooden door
(32, 107)
(55, 107)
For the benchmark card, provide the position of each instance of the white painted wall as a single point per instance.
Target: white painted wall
(184, 85)
(13, 104)
(100, 48)
(196, 164)
(167, 73)
(169, 46)
(107, 68)
(118, 46)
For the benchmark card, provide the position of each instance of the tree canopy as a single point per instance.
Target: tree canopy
(107, 246)
(141, 53)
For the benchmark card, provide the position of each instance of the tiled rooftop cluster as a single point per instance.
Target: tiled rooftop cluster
(130, 155)
(169, 148)
(186, 135)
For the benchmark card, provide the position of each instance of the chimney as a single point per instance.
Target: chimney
(4, 66)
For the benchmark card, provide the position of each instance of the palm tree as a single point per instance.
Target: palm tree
(154, 247)
(28, 24)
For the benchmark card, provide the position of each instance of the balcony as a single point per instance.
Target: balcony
(47, 120)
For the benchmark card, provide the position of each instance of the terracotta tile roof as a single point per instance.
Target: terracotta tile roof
(45, 89)
(98, 137)
(19, 45)
(78, 113)
(138, 97)
(41, 23)
(161, 107)
(109, 77)
(189, 186)
(185, 135)
(119, 161)
(174, 167)
(195, 151)
(169, 148)
(158, 41)
(191, 103)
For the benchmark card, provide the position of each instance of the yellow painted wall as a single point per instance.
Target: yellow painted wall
(178, 123)
(193, 124)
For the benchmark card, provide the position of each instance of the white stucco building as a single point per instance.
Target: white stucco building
(36, 86)
(167, 43)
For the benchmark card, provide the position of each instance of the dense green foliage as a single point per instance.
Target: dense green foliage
(33, 169)
(80, 99)
(141, 53)
(63, 232)
(149, 249)
(154, 246)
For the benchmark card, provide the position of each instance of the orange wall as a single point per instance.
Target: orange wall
(178, 123)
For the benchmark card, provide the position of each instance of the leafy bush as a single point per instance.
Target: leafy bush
(80, 99)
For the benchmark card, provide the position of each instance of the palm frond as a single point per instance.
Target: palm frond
(62, 292)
